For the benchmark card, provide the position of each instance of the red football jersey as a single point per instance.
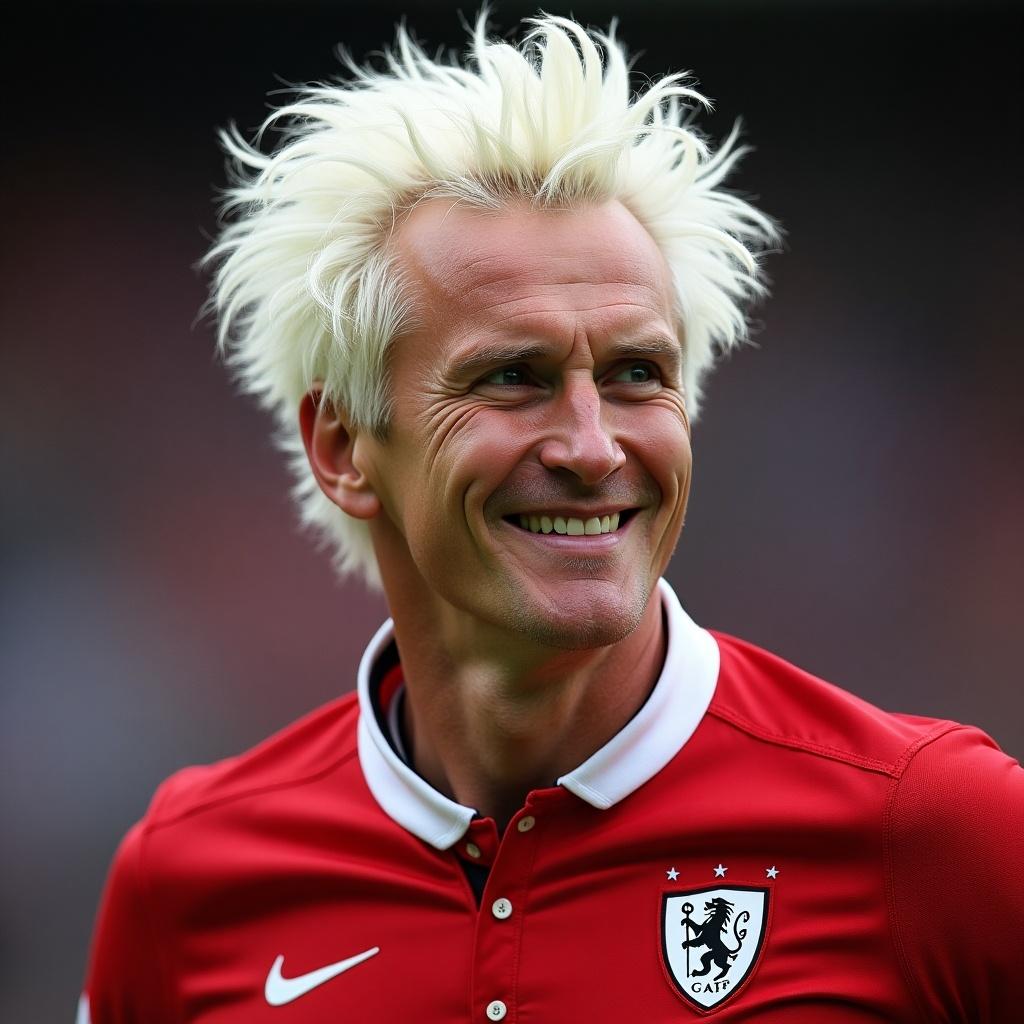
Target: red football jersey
(754, 845)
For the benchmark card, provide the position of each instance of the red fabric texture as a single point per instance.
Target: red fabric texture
(896, 842)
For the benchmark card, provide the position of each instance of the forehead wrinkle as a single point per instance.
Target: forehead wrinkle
(502, 272)
(566, 290)
(547, 300)
(525, 316)
(576, 310)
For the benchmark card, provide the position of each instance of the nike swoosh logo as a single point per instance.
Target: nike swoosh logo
(280, 990)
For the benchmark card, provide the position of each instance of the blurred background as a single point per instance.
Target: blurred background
(858, 498)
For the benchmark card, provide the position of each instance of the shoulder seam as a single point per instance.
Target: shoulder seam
(805, 746)
(941, 729)
(888, 816)
(189, 812)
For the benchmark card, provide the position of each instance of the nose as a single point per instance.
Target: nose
(578, 438)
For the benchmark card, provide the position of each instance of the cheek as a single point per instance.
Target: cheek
(437, 482)
(481, 453)
(658, 437)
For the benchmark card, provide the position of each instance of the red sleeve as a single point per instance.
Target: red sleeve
(955, 867)
(124, 983)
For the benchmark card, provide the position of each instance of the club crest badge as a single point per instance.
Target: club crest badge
(711, 939)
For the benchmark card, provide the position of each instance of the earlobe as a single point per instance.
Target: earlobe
(330, 444)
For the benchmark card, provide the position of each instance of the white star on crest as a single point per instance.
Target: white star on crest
(720, 871)
(771, 872)
(672, 874)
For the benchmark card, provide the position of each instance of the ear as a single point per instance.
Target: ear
(331, 449)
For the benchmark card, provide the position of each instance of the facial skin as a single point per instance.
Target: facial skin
(542, 378)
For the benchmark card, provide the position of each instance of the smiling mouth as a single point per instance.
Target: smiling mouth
(572, 526)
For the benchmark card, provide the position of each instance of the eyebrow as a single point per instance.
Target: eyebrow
(474, 363)
(656, 345)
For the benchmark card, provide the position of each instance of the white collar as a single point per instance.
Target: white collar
(648, 741)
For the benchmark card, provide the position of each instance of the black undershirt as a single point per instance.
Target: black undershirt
(476, 873)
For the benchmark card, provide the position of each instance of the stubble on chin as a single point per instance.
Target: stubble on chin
(561, 630)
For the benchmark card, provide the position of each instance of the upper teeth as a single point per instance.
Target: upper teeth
(570, 525)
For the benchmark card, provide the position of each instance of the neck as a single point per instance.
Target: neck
(490, 718)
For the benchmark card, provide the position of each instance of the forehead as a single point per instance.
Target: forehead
(524, 268)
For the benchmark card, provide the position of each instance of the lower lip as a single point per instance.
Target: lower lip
(593, 544)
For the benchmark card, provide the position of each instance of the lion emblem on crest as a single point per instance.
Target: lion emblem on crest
(710, 932)
(711, 953)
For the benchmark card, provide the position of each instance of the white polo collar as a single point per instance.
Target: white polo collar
(651, 738)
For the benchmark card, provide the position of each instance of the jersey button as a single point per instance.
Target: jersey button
(473, 850)
(526, 823)
(496, 1010)
(501, 908)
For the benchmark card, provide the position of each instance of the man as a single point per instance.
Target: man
(481, 303)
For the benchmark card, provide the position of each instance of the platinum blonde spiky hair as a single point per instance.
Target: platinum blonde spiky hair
(306, 288)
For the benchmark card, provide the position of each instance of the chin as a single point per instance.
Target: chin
(577, 623)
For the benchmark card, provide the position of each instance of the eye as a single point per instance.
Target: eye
(508, 377)
(635, 373)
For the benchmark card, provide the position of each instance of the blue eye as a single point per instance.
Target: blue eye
(635, 373)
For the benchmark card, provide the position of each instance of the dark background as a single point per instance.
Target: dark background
(858, 494)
